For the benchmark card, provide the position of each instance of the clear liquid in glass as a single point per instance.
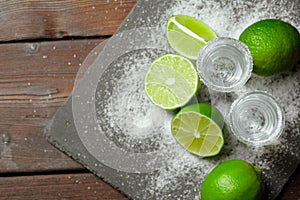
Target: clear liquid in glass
(224, 64)
(256, 118)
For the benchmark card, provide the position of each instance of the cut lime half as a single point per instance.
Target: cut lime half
(171, 81)
(187, 35)
(198, 128)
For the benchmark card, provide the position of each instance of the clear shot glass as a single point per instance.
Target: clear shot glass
(256, 118)
(224, 64)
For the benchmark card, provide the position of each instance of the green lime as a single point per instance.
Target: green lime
(171, 81)
(274, 45)
(198, 128)
(187, 35)
(234, 180)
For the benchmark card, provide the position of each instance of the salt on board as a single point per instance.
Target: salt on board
(123, 105)
(228, 18)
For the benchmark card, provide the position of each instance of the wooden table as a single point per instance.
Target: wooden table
(42, 45)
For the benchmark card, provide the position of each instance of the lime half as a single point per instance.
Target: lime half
(198, 128)
(171, 81)
(187, 35)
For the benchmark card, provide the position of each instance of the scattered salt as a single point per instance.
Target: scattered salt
(135, 124)
(229, 19)
(126, 107)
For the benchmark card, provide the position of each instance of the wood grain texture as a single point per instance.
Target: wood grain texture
(40, 72)
(35, 80)
(291, 191)
(84, 186)
(32, 19)
(50, 187)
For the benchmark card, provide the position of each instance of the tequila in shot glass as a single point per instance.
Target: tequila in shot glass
(224, 64)
(256, 118)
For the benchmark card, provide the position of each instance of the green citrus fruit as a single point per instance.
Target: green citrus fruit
(171, 81)
(198, 128)
(274, 45)
(234, 180)
(187, 35)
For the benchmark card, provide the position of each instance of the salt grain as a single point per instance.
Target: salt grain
(229, 19)
(124, 109)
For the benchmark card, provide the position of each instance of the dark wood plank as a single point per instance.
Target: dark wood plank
(66, 186)
(83, 186)
(35, 80)
(291, 191)
(37, 73)
(25, 149)
(31, 19)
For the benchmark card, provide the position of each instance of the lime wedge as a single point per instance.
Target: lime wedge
(171, 81)
(187, 35)
(198, 128)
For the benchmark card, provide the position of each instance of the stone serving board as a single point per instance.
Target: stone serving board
(109, 125)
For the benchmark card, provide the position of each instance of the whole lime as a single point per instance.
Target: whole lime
(234, 180)
(274, 45)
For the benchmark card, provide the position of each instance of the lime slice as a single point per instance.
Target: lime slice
(187, 35)
(198, 128)
(171, 81)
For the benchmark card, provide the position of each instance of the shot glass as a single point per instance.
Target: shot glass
(256, 118)
(224, 64)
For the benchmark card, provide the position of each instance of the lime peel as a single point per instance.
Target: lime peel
(186, 30)
(187, 35)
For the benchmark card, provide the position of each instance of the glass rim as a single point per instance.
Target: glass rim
(279, 112)
(236, 44)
